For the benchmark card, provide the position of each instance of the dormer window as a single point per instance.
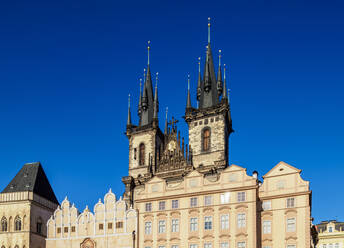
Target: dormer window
(142, 154)
(206, 139)
(330, 229)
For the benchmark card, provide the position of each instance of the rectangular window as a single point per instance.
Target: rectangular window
(241, 196)
(241, 244)
(39, 228)
(66, 229)
(266, 226)
(336, 245)
(225, 198)
(324, 246)
(224, 245)
(193, 202)
(208, 223)
(175, 225)
(290, 202)
(266, 246)
(73, 228)
(224, 219)
(241, 218)
(193, 224)
(208, 245)
(148, 228)
(110, 225)
(59, 230)
(175, 246)
(101, 226)
(291, 246)
(148, 207)
(193, 246)
(266, 205)
(161, 246)
(175, 204)
(119, 224)
(291, 222)
(162, 205)
(162, 226)
(208, 200)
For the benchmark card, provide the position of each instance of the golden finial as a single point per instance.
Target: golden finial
(208, 29)
(156, 79)
(220, 57)
(128, 100)
(199, 64)
(188, 81)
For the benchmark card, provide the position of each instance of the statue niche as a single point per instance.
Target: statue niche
(88, 243)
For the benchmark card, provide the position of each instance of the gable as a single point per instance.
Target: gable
(281, 169)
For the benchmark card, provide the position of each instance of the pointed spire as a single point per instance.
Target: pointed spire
(199, 87)
(140, 99)
(207, 82)
(129, 113)
(208, 30)
(148, 48)
(219, 77)
(224, 96)
(188, 100)
(166, 124)
(156, 103)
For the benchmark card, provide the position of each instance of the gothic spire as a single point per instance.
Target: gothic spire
(140, 100)
(219, 77)
(129, 113)
(166, 124)
(188, 100)
(224, 96)
(156, 102)
(199, 83)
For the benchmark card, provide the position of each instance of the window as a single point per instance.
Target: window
(208, 245)
(291, 246)
(73, 228)
(266, 226)
(241, 245)
(225, 197)
(59, 230)
(142, 154)
(336, 245)
(110, 225)
(330, 229)
(290, 202)
(208, 200)
(193, 202)
(175, 246)
(241, 196)
(193, 246)
(175, 204)
(162, 226)
(208, 223)
(65, 229)
(193, 224)
(17, 223)
(224, 245)
(175, 225)
(161, 246)
(330, 246)
(266, 246)
(206, 139)
(324, 246)
(291, 225)
(148, 207)
(119, 224)
(101, 226)
(148, 227)
(266, 205)
(39, 226)
(4, 224)
(224, 219)
(162, 205)
(241, 220)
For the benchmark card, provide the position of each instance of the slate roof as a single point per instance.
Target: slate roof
(32, 178)
(339, 226)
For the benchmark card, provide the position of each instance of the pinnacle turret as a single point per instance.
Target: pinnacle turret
(188, 100)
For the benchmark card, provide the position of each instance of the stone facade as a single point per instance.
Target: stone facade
(330, 234)
(111, 224)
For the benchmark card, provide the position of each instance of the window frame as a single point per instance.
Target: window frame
(204, 130)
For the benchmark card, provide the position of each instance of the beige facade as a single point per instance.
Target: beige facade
(331, 234)
(111, 224)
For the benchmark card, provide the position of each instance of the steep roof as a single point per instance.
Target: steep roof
(32, 178)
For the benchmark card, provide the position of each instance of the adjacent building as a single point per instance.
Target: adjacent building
(26, 204)
(330, 234)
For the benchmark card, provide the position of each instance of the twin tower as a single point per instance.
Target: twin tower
(153, 152)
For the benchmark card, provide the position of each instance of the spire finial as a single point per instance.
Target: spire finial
(129, 113)
(156, 79)
(208, 29)
(144, 74)
(220, 57)
(224, 72)
(188, 99)
(199, 64)
(148, 48)
(166, 125)
(189, 81)
(129, 100)
(224, 82)
(166, 112)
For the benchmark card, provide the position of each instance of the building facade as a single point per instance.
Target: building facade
(26, 204)
(330, 234)
(188, 195)
(111, 224)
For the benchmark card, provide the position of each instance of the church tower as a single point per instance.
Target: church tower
(210, 123)
(145, 138)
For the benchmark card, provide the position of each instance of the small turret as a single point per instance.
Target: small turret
(219, 77)
(188, 100)
(129, 113)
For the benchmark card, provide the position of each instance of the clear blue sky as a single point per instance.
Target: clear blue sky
(66, 68)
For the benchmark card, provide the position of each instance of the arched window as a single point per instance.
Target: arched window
(16, 246)
(206, 139)
(4, 224)
(142, 154)
(17, 223)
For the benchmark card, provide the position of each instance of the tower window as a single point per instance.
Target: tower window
(39, 226)
(206, 139)
(17, 223)
(4, 224)
(142, 154)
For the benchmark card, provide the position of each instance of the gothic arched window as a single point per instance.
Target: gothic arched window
(4, 224)
(206, 139)
(17, 223)
(39, 225)
(142, 154)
